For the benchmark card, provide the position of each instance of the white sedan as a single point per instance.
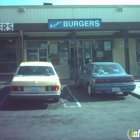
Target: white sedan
(35, 80)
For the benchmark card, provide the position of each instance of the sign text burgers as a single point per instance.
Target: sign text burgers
(74, 24)
(6, 27)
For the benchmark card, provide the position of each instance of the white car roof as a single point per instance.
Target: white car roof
(36, 63)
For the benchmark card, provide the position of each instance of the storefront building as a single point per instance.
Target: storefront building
(56, 33)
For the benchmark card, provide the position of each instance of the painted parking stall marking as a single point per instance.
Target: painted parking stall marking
(65, 104)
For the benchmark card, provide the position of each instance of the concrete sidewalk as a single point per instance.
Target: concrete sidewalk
(6, 79)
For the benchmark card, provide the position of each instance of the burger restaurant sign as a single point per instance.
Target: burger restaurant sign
(54, 24)
(5, 27)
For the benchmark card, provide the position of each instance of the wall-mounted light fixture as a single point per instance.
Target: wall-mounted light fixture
(21, 9)
(47, 3)
(120, 8)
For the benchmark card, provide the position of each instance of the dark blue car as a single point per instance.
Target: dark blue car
(106, 77)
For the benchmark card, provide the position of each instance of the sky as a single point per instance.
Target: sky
(70, 2)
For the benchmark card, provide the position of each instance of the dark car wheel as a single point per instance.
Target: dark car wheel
(125, 93)
(89, 90)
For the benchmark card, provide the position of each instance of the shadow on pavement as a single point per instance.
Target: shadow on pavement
(81, 95)
(135, 95)
(19, 105)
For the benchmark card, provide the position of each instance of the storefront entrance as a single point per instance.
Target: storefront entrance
(56, 52)
(94, 50)
(60, 52)
(102, 51)
(38, 54)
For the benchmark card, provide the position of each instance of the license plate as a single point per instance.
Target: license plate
(116, 89)
(34, 89)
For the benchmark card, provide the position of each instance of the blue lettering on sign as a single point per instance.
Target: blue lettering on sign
(74, 24)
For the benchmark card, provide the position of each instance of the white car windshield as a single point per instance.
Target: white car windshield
(35, 70)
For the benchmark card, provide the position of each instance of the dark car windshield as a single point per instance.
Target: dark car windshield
(108, 69)
(35, 70)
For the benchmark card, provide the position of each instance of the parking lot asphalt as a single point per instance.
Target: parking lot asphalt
(6, 79)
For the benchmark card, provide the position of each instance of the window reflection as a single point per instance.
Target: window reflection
(8, 58)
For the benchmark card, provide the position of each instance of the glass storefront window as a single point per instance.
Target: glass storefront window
(53, 51)
(58, 52)
(36, 51)
(32, 55)
(42, 54)
(8, 58)
(102, 51)
(36, 44)
(63, 52)
(87, 50)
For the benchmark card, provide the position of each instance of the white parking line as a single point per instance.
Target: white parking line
(78, 104)
(63, 103)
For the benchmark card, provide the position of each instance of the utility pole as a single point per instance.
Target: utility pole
(126, 49)
(21, 42)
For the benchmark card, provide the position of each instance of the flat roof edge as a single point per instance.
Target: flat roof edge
(71, 6)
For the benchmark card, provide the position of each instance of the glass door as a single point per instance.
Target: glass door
(37, 54)
(102, 51)
(87, 51)
(42, 54)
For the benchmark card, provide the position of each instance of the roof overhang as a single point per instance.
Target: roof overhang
(64, 33)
